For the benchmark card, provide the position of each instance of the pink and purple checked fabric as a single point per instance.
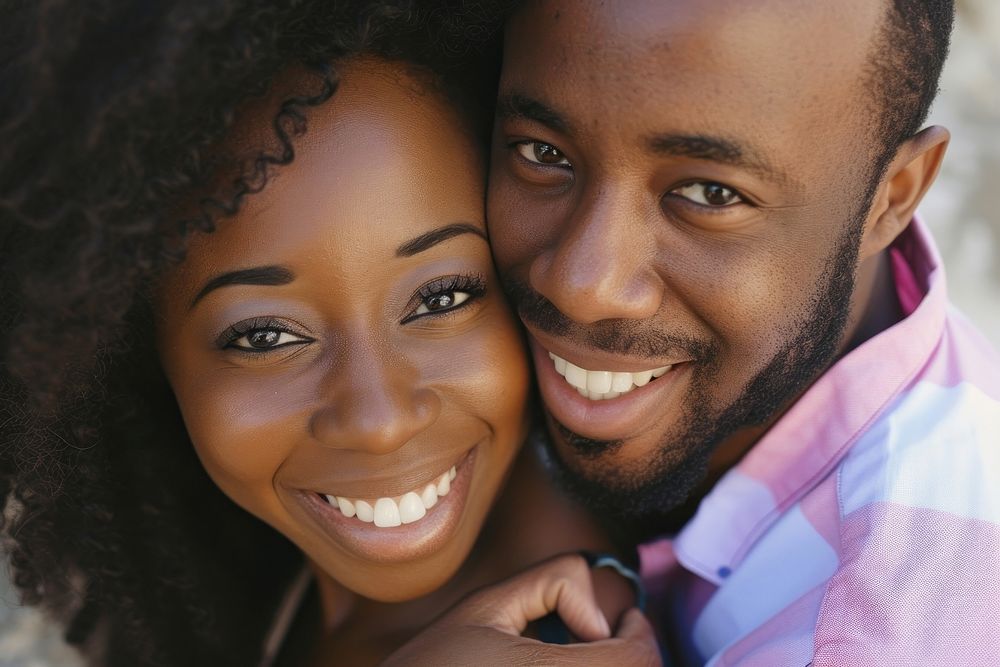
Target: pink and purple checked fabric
(864, 528)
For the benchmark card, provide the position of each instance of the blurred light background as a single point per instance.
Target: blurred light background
(962, 209)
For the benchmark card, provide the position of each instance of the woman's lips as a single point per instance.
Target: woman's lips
(594, 412)
(391, 512)
(405, 541)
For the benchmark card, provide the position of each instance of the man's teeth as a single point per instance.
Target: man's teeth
(601, 385)
(392, 512)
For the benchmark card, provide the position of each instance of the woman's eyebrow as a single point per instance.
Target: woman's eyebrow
(435, 236)
(258, 275)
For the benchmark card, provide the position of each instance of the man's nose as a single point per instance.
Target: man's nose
(601, 265)
(374, 402)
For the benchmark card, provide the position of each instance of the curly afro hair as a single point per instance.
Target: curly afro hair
(110, 113)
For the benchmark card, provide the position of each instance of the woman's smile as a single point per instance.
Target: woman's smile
(388, 512)
(357, 528)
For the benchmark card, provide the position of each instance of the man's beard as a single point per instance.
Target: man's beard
(680, 463)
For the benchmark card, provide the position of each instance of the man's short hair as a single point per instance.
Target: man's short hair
(906, 65)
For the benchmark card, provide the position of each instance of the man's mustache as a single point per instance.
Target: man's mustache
(627, 338)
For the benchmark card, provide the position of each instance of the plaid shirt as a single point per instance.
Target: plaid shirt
(864, 527)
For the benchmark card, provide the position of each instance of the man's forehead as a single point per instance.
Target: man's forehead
(656, 22)
(735, 67)
(764, 38)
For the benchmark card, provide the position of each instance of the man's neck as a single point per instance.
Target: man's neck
(876, 304)
(874, 309)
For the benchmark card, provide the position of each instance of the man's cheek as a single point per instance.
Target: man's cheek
(522, 225)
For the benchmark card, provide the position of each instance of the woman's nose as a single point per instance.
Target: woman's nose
(374, 403)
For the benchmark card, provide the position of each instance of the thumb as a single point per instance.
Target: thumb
(562, 585)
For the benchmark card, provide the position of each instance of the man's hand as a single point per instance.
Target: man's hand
(485, 628)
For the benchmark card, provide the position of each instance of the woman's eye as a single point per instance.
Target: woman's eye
(442, 301)
(445, 295)
(710, 194)
(542, 153)
(257, 340)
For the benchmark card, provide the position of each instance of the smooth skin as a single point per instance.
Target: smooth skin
(345, 334)
(686, 172)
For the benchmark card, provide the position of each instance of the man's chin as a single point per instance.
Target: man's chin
(586, 470)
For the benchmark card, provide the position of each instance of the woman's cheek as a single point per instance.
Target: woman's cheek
(495, 375)
(242, 429)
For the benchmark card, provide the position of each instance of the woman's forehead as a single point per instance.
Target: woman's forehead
(378, 165)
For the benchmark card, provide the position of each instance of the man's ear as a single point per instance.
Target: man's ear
(907, 179)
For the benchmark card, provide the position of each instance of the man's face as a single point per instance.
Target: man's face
(677, 196)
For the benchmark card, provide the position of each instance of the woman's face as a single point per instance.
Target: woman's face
(344, 337)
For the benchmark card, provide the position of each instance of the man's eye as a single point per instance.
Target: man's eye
(441, 301)
(257, 340)
(710, 194)
(542, 153)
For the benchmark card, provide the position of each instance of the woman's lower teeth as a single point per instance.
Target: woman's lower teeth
(392, 512)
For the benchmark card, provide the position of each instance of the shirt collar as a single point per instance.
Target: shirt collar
(808, 441)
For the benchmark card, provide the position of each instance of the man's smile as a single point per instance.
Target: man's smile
(613, 399)
(603, 385)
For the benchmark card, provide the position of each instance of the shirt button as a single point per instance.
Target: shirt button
(724, 572)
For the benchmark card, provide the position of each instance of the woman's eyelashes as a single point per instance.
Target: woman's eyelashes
(259, 335)
(443, 296)
(438, 298)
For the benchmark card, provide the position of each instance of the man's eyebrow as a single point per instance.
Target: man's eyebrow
(435, 236)
(518, 105)
(715, 149)
(258, 275)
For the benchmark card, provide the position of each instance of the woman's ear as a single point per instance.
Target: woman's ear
(907, 179)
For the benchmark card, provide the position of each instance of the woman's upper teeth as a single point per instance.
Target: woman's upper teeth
(392, 512)
(601, 385)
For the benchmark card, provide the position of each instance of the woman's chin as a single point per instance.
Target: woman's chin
(395, 583)
(408, 587)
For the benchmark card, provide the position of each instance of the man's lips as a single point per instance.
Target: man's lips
(594, 359)
(604, 385)
(576, 398)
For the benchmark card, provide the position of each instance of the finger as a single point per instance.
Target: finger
(562, 585)
(633, 644)
(636, 627)
(501, 648)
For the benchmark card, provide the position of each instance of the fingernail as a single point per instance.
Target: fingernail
(605, 627)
